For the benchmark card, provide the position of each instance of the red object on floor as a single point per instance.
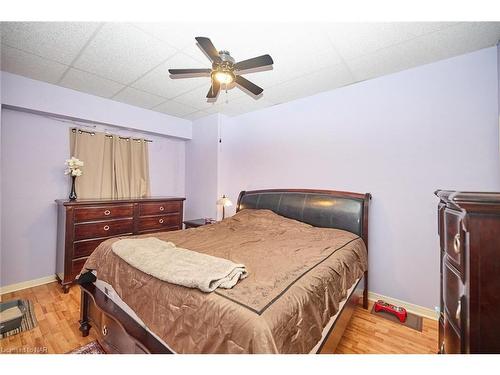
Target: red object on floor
(400, 312)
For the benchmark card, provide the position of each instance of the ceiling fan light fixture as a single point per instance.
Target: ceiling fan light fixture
(222, 73)
(224, 77)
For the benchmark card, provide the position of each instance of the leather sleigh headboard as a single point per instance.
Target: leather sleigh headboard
(320, 208)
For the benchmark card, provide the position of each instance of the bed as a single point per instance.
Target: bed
(306, 253)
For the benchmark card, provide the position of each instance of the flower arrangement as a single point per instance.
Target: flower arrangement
(73, 167)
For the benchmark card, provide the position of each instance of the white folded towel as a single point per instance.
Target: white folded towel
(175, 265)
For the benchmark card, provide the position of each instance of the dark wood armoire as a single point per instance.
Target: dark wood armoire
(469, 232)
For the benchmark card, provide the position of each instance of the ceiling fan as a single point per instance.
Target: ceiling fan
(224, 69)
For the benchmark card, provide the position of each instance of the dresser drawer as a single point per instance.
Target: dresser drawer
(454, 238)
(117, 211)
(452, 295)
(103, 229)
(159, 223)
(159, 208)
(86, 247)
(114, 337)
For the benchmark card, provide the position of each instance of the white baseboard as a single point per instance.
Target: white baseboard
(26, 284)
(410, 307)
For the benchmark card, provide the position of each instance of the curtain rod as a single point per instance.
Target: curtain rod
(110, 136)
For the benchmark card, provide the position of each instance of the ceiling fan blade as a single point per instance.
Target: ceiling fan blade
(246, 84)
(214, 90)
(207, 46)
(189, 71)
(256, 62)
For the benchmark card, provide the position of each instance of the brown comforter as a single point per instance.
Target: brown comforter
(298, 275)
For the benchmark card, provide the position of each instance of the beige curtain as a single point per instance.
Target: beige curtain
(114, 167)
(131, 167)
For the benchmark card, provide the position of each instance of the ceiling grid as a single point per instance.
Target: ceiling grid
(129, 62)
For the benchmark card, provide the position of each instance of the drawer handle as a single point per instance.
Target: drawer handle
(104, 330)
(106, 227)
(162, 208)
(160, 221)
(458, 313)
(107, 212)
(456, 243)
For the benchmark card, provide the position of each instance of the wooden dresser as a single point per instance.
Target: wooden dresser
(84, 224)
(469, 232)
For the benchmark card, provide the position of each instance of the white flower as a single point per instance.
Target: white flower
(76, 172)
(73, 165)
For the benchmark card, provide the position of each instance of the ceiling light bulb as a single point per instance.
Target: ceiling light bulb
(223, 77)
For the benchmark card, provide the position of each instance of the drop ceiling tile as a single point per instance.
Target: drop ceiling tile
(123, 53)
(158, 81)
(177, 34)
(310, 84)
(89, 83)
(58, 41)
(196, 115)
(197, 98)
(175, 109)
(213, 109)
(302, 48)
(242, 105)
(460, 39)
(356, 39)
(449, 42)
(31, 66)
(138, 98)
(193, 51)
(280, 72)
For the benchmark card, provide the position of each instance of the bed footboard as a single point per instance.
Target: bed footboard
(116, 331)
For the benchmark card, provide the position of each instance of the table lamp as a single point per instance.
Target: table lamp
(224, 202)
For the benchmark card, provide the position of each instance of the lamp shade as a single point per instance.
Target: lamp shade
(224, 201)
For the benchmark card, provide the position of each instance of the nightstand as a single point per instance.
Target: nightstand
(195, 223)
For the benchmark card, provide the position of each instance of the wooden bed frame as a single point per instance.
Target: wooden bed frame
(118, 332)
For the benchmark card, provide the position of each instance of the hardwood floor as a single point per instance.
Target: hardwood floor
(58, 314)
(371, 334)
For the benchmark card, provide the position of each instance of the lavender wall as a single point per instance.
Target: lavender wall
(40, 96)
(400, 137)
(0, 174)
(33, 150)
(498, 77)
(202, 168)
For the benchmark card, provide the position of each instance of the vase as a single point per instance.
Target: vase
(72, 194)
